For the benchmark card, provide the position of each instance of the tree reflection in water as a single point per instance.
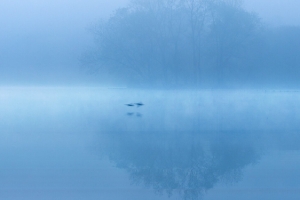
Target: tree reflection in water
(189, 163)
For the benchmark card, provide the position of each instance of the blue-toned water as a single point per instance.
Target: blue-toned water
(85, 143)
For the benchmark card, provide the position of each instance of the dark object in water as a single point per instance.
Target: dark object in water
(130, 113)
(139, 104)
(129, 104)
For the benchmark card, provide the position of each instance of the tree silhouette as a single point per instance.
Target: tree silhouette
(172, 42)
(182, 162)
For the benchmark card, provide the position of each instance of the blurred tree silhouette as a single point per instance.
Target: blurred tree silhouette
(172, 42)
(232, 32)
(184, 43)
(181, 162)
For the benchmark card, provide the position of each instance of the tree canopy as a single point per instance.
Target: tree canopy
(178, 43)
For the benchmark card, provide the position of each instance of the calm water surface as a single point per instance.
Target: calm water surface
(85, 143)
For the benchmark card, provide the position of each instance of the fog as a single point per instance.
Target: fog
(149, 99)
(275, 13)
(43, 42)
(80, 143)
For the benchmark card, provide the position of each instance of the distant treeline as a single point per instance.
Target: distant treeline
(193, 43)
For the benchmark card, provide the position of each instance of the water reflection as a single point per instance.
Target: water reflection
(183, 145)
(188, 163)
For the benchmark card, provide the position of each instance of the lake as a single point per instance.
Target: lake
(86, 143)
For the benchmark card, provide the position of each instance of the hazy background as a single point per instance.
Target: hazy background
(86, 143)
(42, 40)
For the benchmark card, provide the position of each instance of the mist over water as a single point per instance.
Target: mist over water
(149, 99)
(79, 142)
